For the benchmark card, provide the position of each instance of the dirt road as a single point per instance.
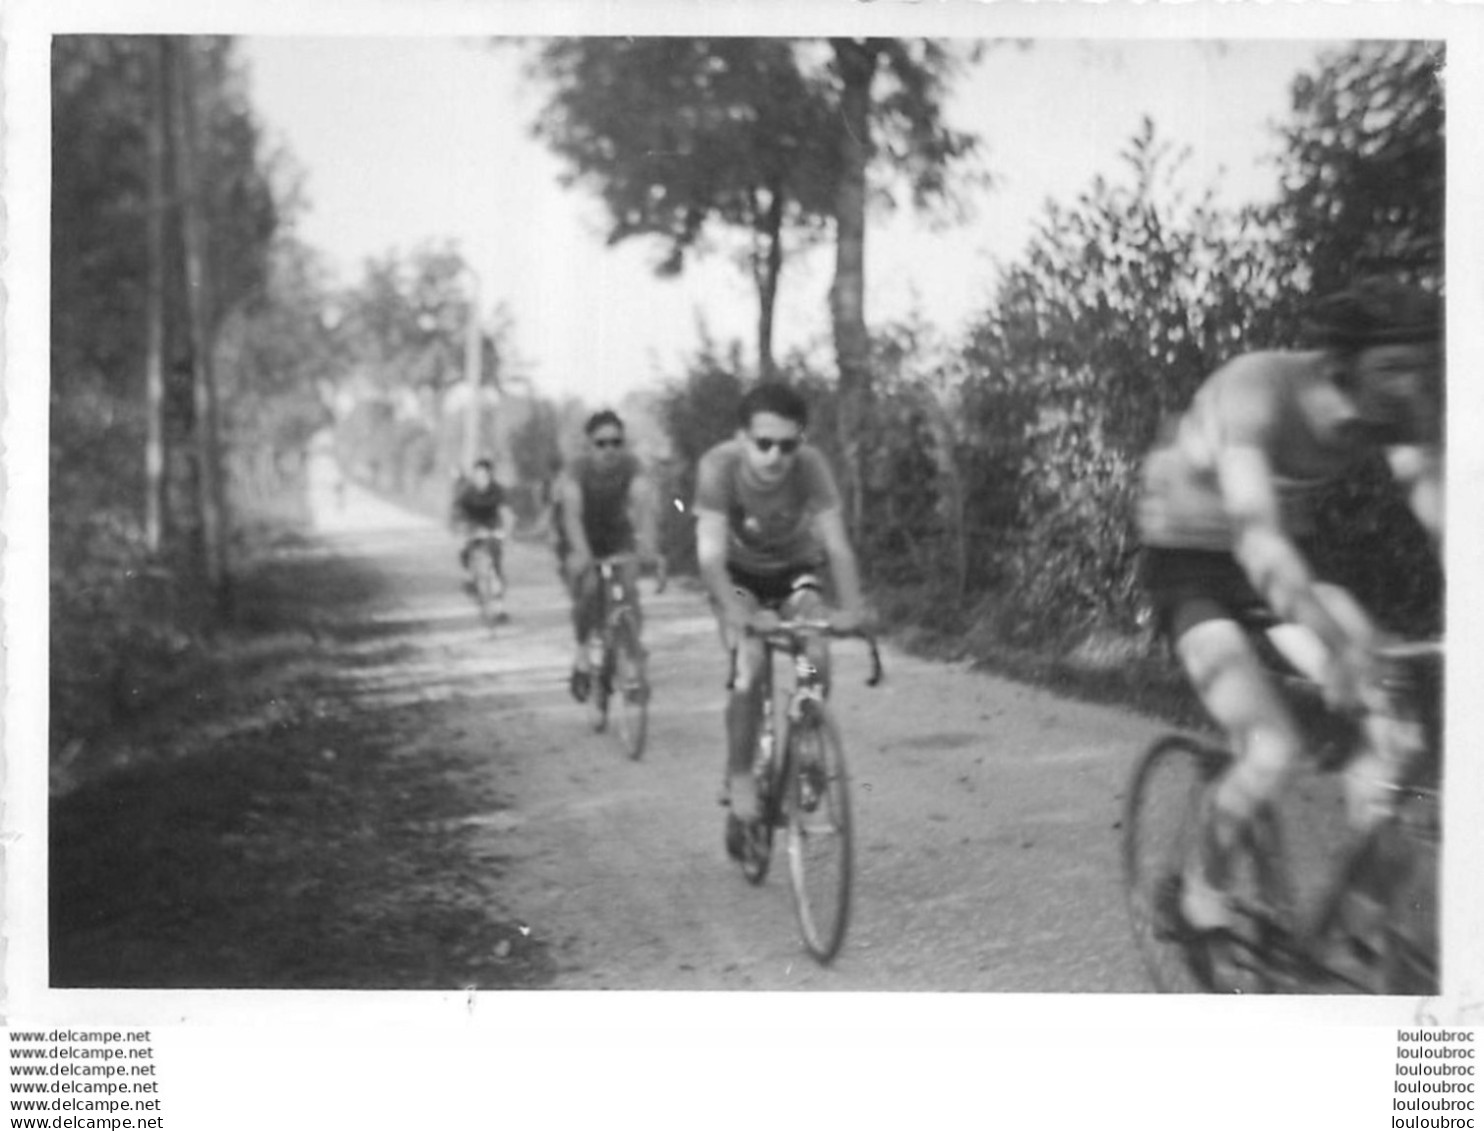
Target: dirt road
(986, 812)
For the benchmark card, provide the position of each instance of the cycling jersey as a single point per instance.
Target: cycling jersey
(770, 529)
(481, 507)
(605, 504)
(1261, 400)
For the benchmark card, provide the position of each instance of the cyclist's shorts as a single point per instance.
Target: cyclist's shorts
(1189, 587)
(773, 590)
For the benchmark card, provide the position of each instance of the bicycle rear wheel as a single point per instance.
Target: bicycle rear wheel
(630, 689)
(601, 689)
(1161, 826)
(819, 831)
(485, 584)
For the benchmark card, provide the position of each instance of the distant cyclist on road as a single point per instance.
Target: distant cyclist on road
(768, 519)
(605, 507)
(479, 509)
(1222, 512)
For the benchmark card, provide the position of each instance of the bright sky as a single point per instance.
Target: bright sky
(405, 140)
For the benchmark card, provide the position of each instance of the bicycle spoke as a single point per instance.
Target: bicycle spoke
(600, 687)
(819, 833)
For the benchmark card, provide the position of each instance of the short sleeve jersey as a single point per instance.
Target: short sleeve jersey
(605, 503)
(481, 507)
(1252, 401)
(770, 529)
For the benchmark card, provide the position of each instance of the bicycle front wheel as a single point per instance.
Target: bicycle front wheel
(630, 689)
(819, 831)
(485, 585)
(1161, 826)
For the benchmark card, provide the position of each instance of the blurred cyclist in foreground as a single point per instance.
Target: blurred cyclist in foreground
(1223, 507)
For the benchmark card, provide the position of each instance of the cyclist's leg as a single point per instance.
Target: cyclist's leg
(629, 578)
(748, 656)
(585, 608)
(1236, 689)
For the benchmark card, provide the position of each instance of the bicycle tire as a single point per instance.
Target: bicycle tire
(1161, 821)
(602, 685)
(1409, 963)
(484, 583)
(820, 832)
(630, 688)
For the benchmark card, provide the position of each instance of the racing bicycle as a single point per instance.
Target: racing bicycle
(803, 790)
(1366, 919)
(620, 674)
(484, 551)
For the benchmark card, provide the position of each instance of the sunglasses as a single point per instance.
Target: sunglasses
(765, 444)
(609, 442)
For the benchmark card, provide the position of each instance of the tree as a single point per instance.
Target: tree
(906, 123)
(681, 136)
(1362, 193)
(1362, 169)
(1124, 302)
(210, 498)
(128, 570)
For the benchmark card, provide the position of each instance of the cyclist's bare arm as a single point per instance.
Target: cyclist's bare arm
(1419, 470)
(829, 527)
(581, 552)
(1278, 570)
(711, 556)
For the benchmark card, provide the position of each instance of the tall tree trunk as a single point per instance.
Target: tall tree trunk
(856, 62)
(767, 267)
(209, 496)
(154, 362)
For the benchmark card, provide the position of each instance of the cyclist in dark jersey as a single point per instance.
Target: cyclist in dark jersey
(768, 518)
(480, 506)
(605, 507)
(1222, 508)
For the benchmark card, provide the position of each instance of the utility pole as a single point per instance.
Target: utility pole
(473, 347)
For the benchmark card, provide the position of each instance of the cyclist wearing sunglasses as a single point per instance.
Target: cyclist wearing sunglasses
(1222, 514)
(605, 506)
(768, 518)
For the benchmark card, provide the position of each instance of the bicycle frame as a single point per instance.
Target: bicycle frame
(614, 602)
(620, 652)
(1287, 946)
(790, 639)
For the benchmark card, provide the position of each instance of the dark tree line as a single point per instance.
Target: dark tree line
(170, 258)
